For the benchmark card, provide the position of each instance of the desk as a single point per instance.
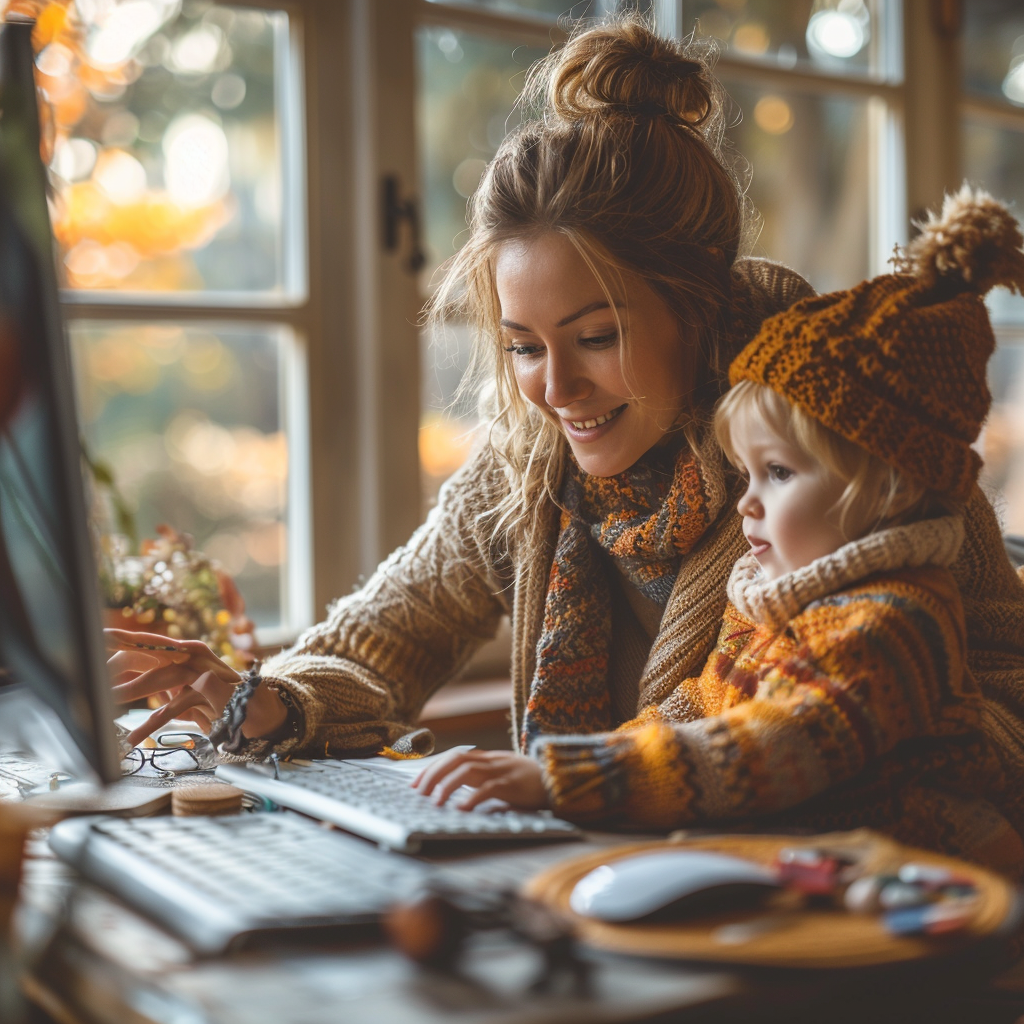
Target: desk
(99, 963)
(105, 965)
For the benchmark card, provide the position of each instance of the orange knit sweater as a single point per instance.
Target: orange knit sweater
(836, 699)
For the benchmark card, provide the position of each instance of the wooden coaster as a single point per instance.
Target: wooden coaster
(121, 798)
(778, 935)
(15, 824)
(205, 800)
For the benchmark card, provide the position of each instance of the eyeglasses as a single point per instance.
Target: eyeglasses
(174, 753)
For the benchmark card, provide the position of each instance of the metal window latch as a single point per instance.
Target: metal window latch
(395, 211)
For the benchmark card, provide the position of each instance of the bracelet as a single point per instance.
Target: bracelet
(226, 732)
(293, 718)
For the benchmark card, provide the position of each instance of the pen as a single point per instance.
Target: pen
(154, 647)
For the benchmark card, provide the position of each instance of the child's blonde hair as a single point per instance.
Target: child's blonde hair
(876, 495)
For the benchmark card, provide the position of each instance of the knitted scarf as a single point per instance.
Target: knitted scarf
(646, 519)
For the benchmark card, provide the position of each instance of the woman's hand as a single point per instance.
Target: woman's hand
(188, 677)
(494, 773)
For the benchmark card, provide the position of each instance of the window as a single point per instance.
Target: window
(816, 85)
(177, 165)
(992, 108)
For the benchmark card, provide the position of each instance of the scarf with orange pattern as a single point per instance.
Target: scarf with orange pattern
(647, 519)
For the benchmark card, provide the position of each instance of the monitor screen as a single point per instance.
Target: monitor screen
(50, 636)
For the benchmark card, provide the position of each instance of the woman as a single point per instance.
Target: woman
(602, 277)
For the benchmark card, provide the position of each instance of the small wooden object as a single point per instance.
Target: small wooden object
(430, 931)
(122, 798)
(207, 800)
(15, 824)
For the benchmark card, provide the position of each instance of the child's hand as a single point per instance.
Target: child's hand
(494, 773)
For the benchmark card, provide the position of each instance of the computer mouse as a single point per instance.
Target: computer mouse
(669, 883)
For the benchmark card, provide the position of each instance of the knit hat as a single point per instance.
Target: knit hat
(897, 364)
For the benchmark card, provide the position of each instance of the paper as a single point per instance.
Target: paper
(135, 717)
(406, 769)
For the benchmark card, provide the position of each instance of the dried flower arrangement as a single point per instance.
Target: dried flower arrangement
(173, 589)
(168, 587)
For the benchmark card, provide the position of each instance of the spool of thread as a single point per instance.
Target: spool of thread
(207, 800)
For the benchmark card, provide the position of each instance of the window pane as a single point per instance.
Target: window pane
(993, 48)
(1002, 441)
(193, 421)
(994, 160)
(810, 171)
(467, 85)
(447, 431)
(167, 149)
(832, 35)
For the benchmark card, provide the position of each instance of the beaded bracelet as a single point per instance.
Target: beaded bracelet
(226, 732)
(292, 723)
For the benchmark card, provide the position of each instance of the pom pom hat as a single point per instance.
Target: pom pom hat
(897, 364)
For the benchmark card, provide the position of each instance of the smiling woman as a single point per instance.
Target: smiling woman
(626, 168)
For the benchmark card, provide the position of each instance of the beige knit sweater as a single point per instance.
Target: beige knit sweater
(361, 677)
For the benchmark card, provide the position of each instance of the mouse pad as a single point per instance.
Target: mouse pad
(784, 932)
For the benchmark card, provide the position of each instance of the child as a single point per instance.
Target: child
(838, 694)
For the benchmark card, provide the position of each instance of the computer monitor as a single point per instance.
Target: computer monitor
(50, 622)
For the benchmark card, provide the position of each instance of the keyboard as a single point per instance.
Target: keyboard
(221, 883)
(382, 806)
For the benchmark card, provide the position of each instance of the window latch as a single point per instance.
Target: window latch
(397, 210)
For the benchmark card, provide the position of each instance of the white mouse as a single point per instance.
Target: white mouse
(669, 880)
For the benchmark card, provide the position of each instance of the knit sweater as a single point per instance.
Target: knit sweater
(845, 678)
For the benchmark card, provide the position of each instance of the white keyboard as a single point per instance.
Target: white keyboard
(223, 882)
(384, 807)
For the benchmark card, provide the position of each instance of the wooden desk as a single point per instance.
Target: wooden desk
(103, 964)
(100, 963)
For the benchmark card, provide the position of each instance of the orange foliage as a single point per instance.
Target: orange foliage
(152, 225)
(50, 22)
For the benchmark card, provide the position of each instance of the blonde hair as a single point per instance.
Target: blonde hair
(622, 155)
(876, 496)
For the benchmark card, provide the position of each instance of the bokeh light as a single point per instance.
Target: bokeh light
(838, 29)
(186, 201)
(773, 114)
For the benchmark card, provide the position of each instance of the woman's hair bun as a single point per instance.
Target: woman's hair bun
(623, 66)
(974, 244)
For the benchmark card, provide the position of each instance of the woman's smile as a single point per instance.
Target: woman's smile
(589, 429)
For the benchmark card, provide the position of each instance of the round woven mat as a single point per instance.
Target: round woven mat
(782, 932)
